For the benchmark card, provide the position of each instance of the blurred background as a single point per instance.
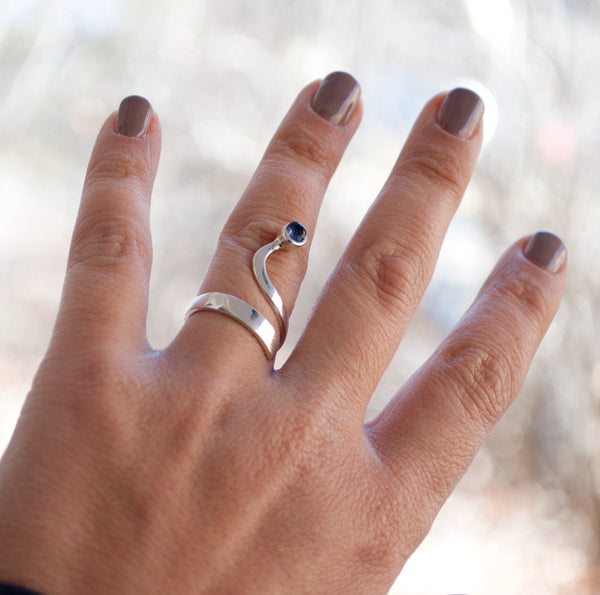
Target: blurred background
(526, 517)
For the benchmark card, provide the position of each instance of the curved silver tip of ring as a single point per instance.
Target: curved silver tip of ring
(294, 234)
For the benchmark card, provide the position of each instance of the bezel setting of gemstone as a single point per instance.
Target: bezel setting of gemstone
(295, 233)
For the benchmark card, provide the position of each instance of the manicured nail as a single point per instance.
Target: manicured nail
(134, 115)
(337, 96)
(461, 112)
(546, 250)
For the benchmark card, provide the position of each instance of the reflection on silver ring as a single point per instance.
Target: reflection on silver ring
(293, 234)
(239, 310)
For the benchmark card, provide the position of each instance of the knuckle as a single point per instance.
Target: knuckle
(248, 235)
(440, 168)
(486, 377)
(528, 293)
(100, 373)
(485, 384)
(384, 510)
(394, 274)
(93, 392)
(114, 164)
(103, 240)
(379, 550)
(300, 145)
(301, 440)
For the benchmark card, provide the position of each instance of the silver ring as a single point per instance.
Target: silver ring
(239, 310)
(293, 234)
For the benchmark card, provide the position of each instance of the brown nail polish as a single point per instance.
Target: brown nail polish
(546, 250)
(337, 96)
(461, 112)
(134, 115)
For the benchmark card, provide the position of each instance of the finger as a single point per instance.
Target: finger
(440, 418)
(106, 286)
(288, 185)
(375, 289)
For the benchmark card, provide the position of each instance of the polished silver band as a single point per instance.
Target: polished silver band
(293, 234)
(239, 310)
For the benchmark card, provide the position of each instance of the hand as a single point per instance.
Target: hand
(199, 468)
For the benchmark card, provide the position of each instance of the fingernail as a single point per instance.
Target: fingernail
(337, 96)
(461, 112)
(546, 250)
(134, 115)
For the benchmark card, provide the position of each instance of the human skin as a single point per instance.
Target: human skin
(200, 468)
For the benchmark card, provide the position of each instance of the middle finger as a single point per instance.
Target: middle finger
(288, 185)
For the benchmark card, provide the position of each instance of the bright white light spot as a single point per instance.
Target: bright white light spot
(492, 19)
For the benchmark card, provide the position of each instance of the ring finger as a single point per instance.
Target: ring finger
(371, 296)
(288, 185)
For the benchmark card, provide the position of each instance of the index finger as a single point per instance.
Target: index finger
(106, 286)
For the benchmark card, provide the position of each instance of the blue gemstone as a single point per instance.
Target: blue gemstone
(296, 232)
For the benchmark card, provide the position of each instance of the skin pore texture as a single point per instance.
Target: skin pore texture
(201, 469)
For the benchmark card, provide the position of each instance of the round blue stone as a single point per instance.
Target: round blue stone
(296, 232)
